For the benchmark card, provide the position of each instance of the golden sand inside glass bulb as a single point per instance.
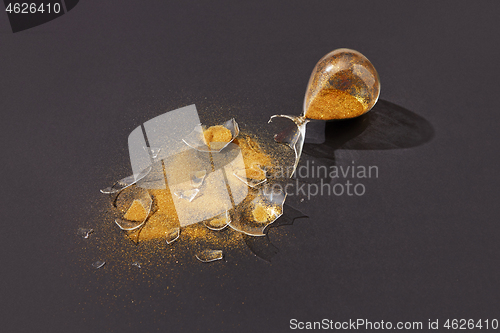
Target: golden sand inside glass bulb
(334, 104)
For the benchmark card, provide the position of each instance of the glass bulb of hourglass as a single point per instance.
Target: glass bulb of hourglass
(344, 84)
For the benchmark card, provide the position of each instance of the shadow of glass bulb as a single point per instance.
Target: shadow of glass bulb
(344, 84)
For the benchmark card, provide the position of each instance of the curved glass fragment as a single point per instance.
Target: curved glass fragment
(199, 140)
(188, 195)
(252, 176)
(209, 255)
(172, 235)
(84, 232)
(153, 152)
(292, 136)
(135, 204)
(197, 178)
(265, 207)
(98, 264)
(218, 222)
(126, 182)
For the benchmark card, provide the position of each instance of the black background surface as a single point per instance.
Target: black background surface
(421, 244)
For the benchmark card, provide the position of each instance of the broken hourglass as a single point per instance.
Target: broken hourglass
(344, 84)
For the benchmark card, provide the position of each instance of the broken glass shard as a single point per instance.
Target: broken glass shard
(155, 179)
(188, 195)
(153, 152)
(293, 135)
(85, 233)
(209, 255)
(265, 207)
(126, 182)
(198, 177)
(252, 176)
(172, 235)
(136, 264)
(218, 222)
(98, 264)
(135, 205)
(203, 139)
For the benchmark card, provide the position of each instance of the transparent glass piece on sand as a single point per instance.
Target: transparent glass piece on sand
(196, 139)
(252, 176)
(265, 208)
(209, 255)
(84, 232)
(197, 178)
(218, 222)
(98, 264)
(172, 235)
(188, 195)
(126, 182)
(135, 204)
(136, 264)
